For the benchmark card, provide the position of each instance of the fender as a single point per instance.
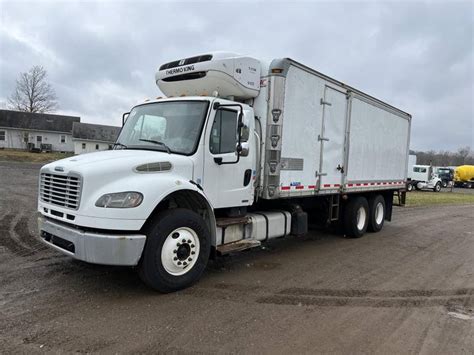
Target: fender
(188, 188)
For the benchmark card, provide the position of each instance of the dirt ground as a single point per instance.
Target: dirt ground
(407, 289)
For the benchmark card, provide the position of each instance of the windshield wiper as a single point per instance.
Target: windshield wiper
(120, 145)
(157, 142)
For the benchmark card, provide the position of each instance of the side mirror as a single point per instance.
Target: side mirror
(124, 117)
(243, 151)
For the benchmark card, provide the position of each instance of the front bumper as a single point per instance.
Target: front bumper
(96, 248)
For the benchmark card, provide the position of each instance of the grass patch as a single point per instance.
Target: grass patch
(428, 198)
(22, 155)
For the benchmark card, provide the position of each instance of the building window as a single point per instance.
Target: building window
(83, 145)
(39, 139)
(62, 138)
(111, 147)
(2, 135)
(96, 147)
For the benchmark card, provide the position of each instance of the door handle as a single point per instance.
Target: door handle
(218, 160)
(340, 168)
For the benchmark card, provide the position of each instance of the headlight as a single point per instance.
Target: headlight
(126, 199)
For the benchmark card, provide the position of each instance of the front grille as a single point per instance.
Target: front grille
(61, 190)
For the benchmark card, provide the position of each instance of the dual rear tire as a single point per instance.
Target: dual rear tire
(361, 215)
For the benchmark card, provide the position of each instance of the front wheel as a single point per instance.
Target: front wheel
(437, 187)
(444, 184)
(176, 252)
(409, 187)
(356, 217)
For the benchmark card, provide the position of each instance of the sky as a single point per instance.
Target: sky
(101, 57)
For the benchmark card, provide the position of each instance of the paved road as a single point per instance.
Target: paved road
(409, 289)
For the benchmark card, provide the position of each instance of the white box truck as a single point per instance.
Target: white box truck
(239, 152)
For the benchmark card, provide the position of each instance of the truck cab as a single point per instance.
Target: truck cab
(100, 207)
(423, 177)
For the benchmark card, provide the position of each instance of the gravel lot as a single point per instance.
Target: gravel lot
(409, 288)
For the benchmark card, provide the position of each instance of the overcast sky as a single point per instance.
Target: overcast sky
(101, 56)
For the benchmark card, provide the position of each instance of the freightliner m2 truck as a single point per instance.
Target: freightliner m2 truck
(238, 153)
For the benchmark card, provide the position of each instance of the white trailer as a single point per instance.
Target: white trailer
(239, 152)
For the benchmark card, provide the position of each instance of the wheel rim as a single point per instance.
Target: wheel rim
(379, 213)
(180, 251)
(361, 217)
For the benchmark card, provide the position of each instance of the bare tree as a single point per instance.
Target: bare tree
(33, 93)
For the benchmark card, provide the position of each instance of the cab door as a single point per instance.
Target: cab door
(228, 177)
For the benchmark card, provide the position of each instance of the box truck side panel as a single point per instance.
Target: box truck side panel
(302, 122)
(378, 143)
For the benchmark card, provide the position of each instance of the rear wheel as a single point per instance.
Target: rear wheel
(376, 213)
(356, 217)
(437, 187)
(176, 251)
(444, 183)
(409, 187)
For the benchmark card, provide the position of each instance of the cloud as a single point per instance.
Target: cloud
(101, 57)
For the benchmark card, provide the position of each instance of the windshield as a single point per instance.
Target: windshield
(173, 126)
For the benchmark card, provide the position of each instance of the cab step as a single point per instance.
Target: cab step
(237, 246)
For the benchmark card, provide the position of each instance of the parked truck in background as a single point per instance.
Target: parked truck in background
(423, 177)
(238, 153)
(464, 176)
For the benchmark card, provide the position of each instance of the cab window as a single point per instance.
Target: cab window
(224, 132)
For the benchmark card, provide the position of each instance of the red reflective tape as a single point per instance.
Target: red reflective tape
(385, 183)
(337, 185)
(366, 184)
(285, 187)
(350, 185)
(372, 183)
(311, 186)
(358, 184)
(299, 187)
(327, 185)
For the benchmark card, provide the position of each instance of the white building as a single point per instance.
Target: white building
(88, 137)
(26, 130)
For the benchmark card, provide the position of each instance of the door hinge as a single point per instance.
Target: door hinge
(322, 102)
(322, 138)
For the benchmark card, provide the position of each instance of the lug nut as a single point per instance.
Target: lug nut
(189, 241)
(179, 262)
(175, 258)
(189, 259)
(193, 252)
(192, 245)
(175, 251)
(185, 263)
(177, 244)
(183, 241)
(175, 235)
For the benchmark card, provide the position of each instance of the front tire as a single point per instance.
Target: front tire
(356, 217)
(377, 213)
(437, 187)
(176, 252)
(409, 187)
